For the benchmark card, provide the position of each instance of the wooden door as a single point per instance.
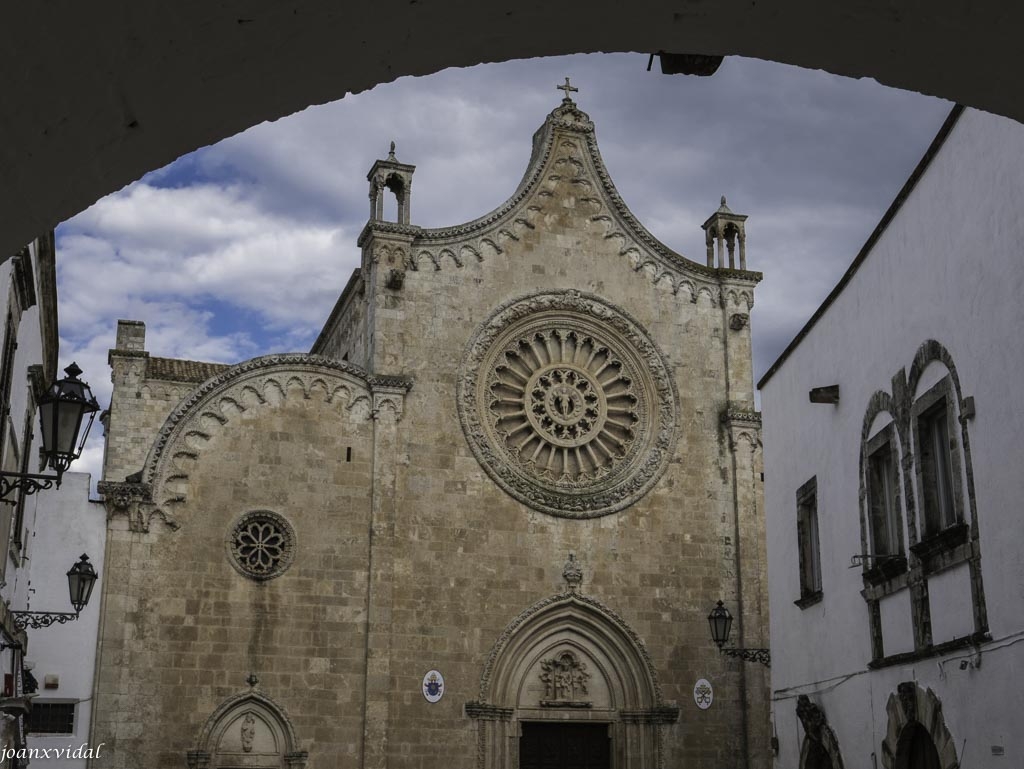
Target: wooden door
(564, 745)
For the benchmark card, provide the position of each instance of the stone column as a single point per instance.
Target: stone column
(388, 404)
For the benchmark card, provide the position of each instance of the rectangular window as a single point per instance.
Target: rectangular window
(7, 377)
(52, 718)
(883, 502)
(933, 454)
(807, 541)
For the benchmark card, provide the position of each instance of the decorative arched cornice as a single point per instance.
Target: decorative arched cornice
(565, 149)
(254, 383)
(912, 704)
(582, 607)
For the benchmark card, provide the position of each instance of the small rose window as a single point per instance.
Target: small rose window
(261, 544)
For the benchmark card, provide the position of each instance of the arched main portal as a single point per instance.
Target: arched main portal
(85, 118)
(569, 669)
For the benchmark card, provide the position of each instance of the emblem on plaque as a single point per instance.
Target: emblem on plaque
(433, 686)
(703, 694)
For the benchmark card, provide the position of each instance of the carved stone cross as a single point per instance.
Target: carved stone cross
(567, 88)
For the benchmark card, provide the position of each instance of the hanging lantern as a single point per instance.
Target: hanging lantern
(720, 621)
(81, 580)
(61, 412)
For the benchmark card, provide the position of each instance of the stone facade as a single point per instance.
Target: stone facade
(485, 401)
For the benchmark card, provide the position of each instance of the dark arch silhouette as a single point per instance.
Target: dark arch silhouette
(94, 97)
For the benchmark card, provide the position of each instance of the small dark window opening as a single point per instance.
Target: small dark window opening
(807, 540)
(52, 718)
(936, 469)
(348, 454)
(7, 374)
(883, 501)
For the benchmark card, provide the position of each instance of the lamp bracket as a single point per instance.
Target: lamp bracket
(41, 619)
(750, 655)
(29, 483)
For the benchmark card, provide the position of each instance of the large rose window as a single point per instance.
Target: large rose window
(567, 404)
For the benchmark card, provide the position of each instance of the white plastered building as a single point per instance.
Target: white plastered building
(893, 480)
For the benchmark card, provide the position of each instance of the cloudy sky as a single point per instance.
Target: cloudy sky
(241, 248)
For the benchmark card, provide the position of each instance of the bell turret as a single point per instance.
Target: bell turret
(725, 228)
(395, 176)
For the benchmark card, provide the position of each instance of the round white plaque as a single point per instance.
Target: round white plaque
(703, 694)
(433, 686)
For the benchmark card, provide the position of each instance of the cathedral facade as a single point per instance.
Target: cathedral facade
(480, 524)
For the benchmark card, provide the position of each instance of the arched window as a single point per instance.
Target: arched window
(919, 521)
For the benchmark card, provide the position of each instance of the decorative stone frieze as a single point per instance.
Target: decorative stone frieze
(134, 500)
(487, 712)
(568, 404)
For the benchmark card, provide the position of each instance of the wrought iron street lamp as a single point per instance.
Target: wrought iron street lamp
(720, 621)
(61, 412)
(81, 580)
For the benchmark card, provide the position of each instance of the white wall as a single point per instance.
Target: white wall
(950, 267)
(66, 525)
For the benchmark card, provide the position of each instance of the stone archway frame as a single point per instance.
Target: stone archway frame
(817, 730)
(911, 704)
(160, 487)
(638, 713)
(238, 705)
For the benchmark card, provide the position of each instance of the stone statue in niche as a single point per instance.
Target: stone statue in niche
(565, 682)
(248, 732)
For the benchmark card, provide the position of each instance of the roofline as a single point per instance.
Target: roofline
(883, 224)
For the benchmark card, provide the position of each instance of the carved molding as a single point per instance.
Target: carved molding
(541, 421)
(662, 714)
(487, 712)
